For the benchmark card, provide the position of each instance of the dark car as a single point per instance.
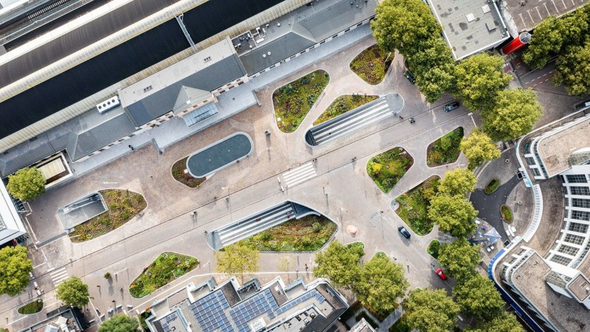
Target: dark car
(408, 74)
(451, 106)
(403, 231)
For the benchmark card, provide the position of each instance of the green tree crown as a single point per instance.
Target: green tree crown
(26, 184)
(431, 310)
(453, 214)
(238, 259)
(504, 322)
(515, 113)
(457, 182)
(120, 323)
(459, 259)
(73, 292)
(478, 297)
(14, 270)
(478, 148)
(339, 263)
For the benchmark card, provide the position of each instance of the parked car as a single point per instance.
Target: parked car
(439, 272)
(451, 106)
(403, 231)
(408, 74)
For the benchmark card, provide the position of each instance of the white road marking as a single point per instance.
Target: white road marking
(59, 276)
(299, 174)
(554, 5)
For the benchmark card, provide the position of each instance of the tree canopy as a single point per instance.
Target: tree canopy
(120, 323)
(238, 259)
(515, 113)
(434, 69)
(573, 70)
(457, 182)
(478, 297)
(26, 184)
(73, 292)
(504, 322)
(478, 148)
(404, 25)
(381, 282)
(431, 310)
(14, 270)
(479, 80)
(453, 214)
(459, 258)
(339, 263)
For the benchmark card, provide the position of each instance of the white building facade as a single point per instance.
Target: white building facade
(11, 225)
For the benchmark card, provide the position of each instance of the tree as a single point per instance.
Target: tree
(434, 69)
(573, 70)
(26, 184)
(431, 310)
(14, 270)
(120, 323)
(453, 214)
(478, 297)
(515, 113)
(73, 292)
(479, 80)
(504, 322)
(238, 259)
(459, 258)
(339, 263)
(478, 148)
(457, 182)
(404, 25)
(380, 284)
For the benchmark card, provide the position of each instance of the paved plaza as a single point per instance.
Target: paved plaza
(336, 185)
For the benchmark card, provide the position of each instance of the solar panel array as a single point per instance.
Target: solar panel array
(255, 306)
(314, 293)
(170, 318)
(209, 312)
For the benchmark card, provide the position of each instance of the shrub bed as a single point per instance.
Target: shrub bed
(293, 101)
(387, 168)
(31, 308)
(413, 205)
(445, 150)
(167, 267)
(123, 206)
(185, 178)
(309, 233)
(506, 213)
(371, 64)
(433, 248)
(342, 105)
(492, 186)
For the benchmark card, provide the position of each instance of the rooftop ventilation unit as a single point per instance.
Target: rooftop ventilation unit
(108, 104)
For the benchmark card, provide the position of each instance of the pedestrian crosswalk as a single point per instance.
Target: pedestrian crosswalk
(299, 174)
(58, 276)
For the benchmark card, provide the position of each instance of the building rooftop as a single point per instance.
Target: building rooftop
(470, 26)
(299, 30)
(565, 313)
(580, 287)
(527, 14)
(556, 148)
(231, 308)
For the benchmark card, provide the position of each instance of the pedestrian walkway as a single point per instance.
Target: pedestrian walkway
(58, 276)
(351, 121)
(299, 174)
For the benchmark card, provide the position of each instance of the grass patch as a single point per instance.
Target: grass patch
(362, 314)
(413, 206)
(370, 64)
(445, 150)
(185, 178)
(293, 101)
(123, 205)
(31, 308)
(492, 186)
(309, 233)
(342, 105)
(506, 213)
(433, 248)
(387, 168)
(401, 325)
(167, 267)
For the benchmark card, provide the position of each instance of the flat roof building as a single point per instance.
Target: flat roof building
(253, 307)
(11, 224)
(525, 15)
(470, 26)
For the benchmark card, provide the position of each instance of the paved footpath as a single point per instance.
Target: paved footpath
(339, 188)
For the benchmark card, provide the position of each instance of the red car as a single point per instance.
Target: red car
(440, 274)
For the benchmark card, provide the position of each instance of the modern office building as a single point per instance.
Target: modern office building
(548, 283)
(11, 224)
(470, 26)
(253, 307)
(149, 63)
